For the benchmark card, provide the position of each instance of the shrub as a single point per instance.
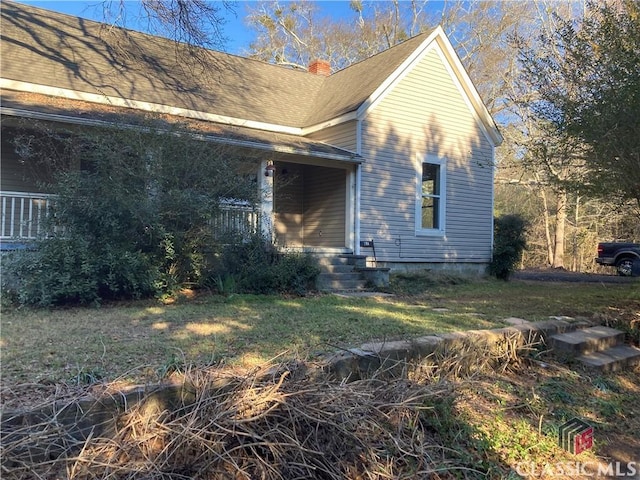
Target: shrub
(57, 271)
(295, 273)
(509, 243)
(137, 213)
(71, 270)
(257, 267)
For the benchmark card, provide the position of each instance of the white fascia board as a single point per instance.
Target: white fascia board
(438, 40)
(53, 117)
(143, 106)
(329, 123)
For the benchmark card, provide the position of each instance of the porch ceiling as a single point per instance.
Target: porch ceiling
(77, 112)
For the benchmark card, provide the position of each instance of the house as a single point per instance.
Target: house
(391, 157)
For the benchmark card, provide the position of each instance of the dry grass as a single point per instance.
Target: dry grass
(282, 423)
(474, 410)
(273, 428)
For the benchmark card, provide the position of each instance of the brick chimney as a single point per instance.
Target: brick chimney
(320, 67)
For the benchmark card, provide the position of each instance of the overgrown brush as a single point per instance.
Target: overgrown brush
(273, 428)
(282, 424)
(255, 266)
(136, 212)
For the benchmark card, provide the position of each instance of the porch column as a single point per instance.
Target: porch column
(356, 208)
(265, 184)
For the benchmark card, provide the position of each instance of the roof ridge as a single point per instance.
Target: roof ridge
(412, 39)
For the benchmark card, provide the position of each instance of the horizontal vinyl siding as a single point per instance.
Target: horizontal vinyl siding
(324, 207)
(343, 135)
(15, 176)
(288, 205)
(426, 114)
(309, 205)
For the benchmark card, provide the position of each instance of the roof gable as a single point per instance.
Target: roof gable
(347, 89)
(439, 41)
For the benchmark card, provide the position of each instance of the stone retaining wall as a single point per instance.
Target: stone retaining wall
(362, 362)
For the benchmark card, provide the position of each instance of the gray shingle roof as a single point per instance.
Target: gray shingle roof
(56, 50)
(347, 89)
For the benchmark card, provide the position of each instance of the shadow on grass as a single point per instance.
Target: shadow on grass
(136, 340)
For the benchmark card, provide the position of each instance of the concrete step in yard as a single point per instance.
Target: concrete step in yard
(589, 340)
(612, 359)
(339, 268)
(597, 347)
(342, 260)
(339, 272)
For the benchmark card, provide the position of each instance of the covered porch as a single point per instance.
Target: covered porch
(307, 189)
(22, 217)
(304, 208)
(312, 208)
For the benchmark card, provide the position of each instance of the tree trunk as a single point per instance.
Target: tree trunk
(547, 232)
(576, 261)
(561, 217)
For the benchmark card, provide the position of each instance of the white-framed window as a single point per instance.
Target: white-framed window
(431, 195)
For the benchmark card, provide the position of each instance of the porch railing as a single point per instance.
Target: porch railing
(23, 214)
(235, 218)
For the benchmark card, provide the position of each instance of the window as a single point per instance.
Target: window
(431, 197)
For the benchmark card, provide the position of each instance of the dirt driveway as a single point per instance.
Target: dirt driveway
(562, 275)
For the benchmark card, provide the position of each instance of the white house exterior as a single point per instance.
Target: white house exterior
(393, 154)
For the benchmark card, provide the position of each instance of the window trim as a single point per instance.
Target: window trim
(421, 160)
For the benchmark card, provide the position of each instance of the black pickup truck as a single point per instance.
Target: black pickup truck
(624, 256)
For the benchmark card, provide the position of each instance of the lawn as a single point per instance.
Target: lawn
(141, 341)
(492, 424)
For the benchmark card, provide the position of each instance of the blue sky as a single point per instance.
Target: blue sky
(238, 33)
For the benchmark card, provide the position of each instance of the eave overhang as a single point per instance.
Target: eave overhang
(241, 137)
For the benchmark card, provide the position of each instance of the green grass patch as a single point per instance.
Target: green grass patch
(141, 340)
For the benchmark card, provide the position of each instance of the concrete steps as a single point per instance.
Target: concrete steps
(612, 359)
(328, 282)
(347, 272)
(597, 347)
